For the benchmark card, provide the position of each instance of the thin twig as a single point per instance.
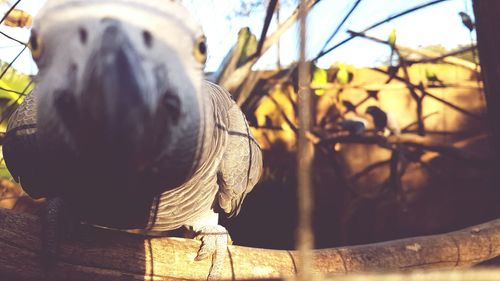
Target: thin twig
(430, 55)
(11, 91)
(379, 23)
(238, 76)
(269, 15)
(8, 12)
(338, 28)
(457, 108)
(12, 62)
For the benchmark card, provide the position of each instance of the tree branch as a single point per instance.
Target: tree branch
(240, 74)
(429, 54)
(101, 254)
(377, 24)
(269, 15)
(426, 93)
(410, 141)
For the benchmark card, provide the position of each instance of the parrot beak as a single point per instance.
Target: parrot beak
(115, 83)
(114, 99)
(121, 112)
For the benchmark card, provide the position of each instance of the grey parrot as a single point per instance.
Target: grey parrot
(122, 131)
(354, 125)
(383, 121)
(467, 21)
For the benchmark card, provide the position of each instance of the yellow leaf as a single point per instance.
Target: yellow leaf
(18, 18)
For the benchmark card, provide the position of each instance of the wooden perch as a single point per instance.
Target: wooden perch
(100, 254)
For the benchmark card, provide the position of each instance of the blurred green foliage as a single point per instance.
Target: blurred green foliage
(11, 85)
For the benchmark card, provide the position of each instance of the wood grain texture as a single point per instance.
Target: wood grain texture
(101, 254)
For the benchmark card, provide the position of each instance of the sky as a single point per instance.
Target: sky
(437, 24)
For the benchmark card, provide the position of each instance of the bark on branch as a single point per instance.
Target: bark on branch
(99, 254)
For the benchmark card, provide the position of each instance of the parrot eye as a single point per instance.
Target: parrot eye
(148, 38)
(35, 45)
(200, 50)
(83, 35)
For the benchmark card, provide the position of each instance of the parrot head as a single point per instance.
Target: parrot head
(120, 84)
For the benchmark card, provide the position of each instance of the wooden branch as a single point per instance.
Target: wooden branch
(269, 15)
(240, 74)
(410, 141)
(230, 61)
(428, 94)
(431, 55)
(450, 54)
(101, 254)
(478, 274)
(339, 26)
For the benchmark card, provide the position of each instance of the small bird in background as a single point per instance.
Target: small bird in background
(379, 117)
(383, 122)
(319, 79)
(354, 125)
(467, 21)
(344, 76)
(392, 38)
(392, 43)
(432, 78)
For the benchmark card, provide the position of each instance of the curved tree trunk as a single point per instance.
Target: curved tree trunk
(100, 254)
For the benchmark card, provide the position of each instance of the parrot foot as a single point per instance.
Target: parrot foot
(214, 242)
(56, 222)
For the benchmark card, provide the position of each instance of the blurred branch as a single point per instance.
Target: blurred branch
(431, 55)
(12, 62)
(8, 11)
(409, 141)
(369, 168)
(405, 128)
(339, 26)
(377, 24)
(239, 75)
(418, 98)
(448, 57)
(102, 254)
(12, 91)
(283, 114)
(269, 15)
(457, 108)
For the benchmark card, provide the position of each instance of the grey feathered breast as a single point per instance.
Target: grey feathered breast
(231, 165)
